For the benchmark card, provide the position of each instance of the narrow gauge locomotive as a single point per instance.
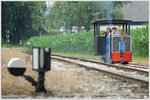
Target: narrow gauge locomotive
(113, 48)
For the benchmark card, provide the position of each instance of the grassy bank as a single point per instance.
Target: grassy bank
(12, 46)
(135, 60)
(78, 55)
(140, 60)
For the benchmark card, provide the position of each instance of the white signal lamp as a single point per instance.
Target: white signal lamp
(41, 59)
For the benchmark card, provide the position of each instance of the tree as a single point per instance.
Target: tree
(74, 13)
(6, 18)
(68, 15)
(23, 19)
(38, 15)
(22, 22)
(117, 13)
(56, 16)
(79, 13)
(120, 4)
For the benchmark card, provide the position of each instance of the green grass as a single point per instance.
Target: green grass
(144, 58)
(78, 55)
(140, 60)
(12, 46)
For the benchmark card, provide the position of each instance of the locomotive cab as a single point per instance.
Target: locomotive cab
(113, 48)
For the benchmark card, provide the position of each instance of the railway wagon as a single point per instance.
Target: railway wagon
(113, 48)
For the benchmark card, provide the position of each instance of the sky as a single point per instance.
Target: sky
(49, 3)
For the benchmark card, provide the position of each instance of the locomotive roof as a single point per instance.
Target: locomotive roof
(112, 22)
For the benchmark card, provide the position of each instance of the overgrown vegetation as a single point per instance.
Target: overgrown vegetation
(82, 42)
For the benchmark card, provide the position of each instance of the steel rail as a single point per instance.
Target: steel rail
(134, 66)
(115, 75)
(72, 95)
(112, 74)
(106, 64)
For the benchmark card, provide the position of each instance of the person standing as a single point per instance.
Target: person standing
(108, 31)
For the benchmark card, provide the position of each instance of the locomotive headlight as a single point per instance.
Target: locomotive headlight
(16, 66)
(41, 59)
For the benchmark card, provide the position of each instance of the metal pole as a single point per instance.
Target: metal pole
(98, 30)
(129, 29)
(110, 46)
(126, 28)
(40, 85)
(94, 30)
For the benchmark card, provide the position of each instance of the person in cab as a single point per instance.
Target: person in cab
(124, 32)
(117, 32)
(108, 31)
(114, 31)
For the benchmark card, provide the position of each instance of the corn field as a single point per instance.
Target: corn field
(82, 42)
(140, 41)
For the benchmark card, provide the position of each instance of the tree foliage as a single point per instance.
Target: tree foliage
(26, 19)
(22, 19)
(117, 13)
(73, 13)
(38, 15)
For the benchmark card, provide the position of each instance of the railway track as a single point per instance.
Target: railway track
(123, 77)
(75, 96)
(135, 67)
(127, 78)
(139, 68)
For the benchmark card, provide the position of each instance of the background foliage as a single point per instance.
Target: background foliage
(27, 19)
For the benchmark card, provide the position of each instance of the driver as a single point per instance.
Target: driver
(108, 31)
(114, 32)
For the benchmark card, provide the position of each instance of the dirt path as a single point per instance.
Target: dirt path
(7, 54)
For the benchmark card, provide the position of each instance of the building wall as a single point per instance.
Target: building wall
(136, 11)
